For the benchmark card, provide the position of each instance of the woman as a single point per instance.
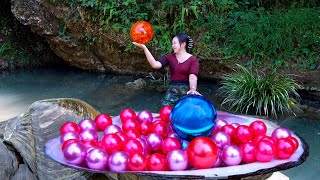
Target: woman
(184, 68)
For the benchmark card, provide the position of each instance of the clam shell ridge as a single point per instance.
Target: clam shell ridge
(29, 132)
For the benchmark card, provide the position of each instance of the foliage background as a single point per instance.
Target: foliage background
(263, 33)
(268, 33)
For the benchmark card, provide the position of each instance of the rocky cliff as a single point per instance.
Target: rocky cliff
(55, 22)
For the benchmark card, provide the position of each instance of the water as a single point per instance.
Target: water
(109, 94)
(106, 93)
(307, 127)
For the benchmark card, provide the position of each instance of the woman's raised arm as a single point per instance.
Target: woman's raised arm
(154, 63)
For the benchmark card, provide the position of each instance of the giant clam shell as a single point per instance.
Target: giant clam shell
(53, 149)
(29, 132)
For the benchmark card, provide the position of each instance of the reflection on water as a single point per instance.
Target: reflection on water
(109, 94)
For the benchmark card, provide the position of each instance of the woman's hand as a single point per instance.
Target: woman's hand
(193, 91)
(142, 46)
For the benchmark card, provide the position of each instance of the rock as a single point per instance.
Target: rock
(297, 109)
(311, 110)
(29, 133)
(306, 93)
(49, 20)
(2, 128)
(304, 107)
(3, 64)
(137, 84)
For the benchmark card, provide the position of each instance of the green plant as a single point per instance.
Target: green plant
(4, 47)
(282, 37)
(263, 92)
(275, 33)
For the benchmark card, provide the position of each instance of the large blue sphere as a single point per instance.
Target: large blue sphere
(193, 116)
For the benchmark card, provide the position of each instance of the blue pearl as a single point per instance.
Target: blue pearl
(193, 116)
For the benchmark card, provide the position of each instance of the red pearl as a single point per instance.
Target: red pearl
(144, 128)
(111, 143)
(161, 129)
(102, 121)
(258, 128)
(202, 152)
(265, 151)
(133, 134)
(248, 152)
(129, 124)
(132, 146)
(229, 129)
(123, 136)
(165, 113)
(295, 142)
(127, 114)
(170, 144)
(156, 162)
(284, 148)
(242, 134)
(69, 127)
(137, 162)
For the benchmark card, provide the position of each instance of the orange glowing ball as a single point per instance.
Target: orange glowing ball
(141, 32)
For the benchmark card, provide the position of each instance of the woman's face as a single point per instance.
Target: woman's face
(176, 46)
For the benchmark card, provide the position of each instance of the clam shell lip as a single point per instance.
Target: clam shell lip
(53, 146)
(29, 132)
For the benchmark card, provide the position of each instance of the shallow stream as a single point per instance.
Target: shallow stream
(110, 94)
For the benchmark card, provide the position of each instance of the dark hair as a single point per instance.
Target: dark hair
(183, 37)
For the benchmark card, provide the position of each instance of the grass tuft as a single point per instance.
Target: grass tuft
(264, 93)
